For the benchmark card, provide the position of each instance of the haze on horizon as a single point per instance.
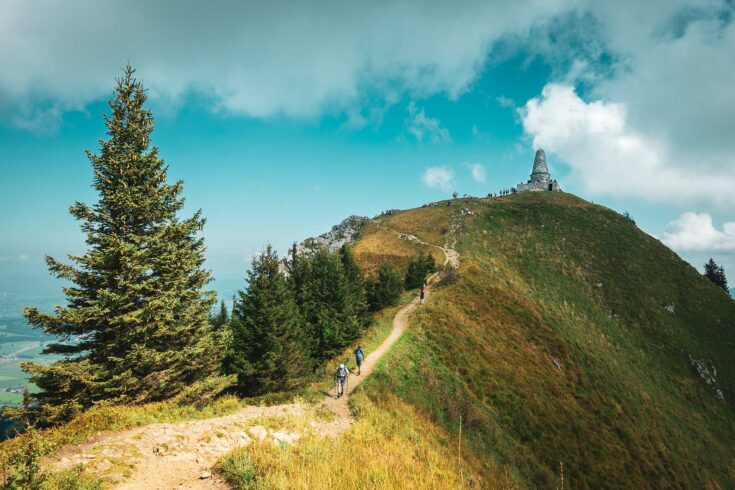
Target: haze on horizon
(284, 119)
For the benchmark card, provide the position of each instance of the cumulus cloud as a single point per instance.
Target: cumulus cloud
(477, 171)
(438, 178)
(674, 74)
(423, 127)
(259, 59)
(695, 232)
(608, 157)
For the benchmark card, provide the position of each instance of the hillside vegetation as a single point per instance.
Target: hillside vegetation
(574, 350)
(572, 344)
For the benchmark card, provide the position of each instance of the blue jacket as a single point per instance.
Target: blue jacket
(359, 354)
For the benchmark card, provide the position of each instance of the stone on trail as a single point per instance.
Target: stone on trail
(259, 432)
(285, 437)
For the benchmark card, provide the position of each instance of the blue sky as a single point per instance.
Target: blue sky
(283, 120)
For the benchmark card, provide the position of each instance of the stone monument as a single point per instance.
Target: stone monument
(540, 178)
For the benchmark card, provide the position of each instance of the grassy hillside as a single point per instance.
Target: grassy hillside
(572, 345)
(570, 340)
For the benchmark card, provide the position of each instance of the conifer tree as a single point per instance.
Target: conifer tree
(430, 263)
(418, 269)
(268, 352)
(327, 307)
(135, 327)
(385, 290)
(356, 285)
(298, 269)
(716, 274)
(221, 318)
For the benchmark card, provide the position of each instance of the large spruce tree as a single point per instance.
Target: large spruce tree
(269, 351)
(327, 305)
(355, 285)
(135, 327)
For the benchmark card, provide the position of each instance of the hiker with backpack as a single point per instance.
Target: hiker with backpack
(359, 356)
(340, 376)
(422, 293)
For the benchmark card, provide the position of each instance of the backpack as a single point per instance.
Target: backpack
(341, 372)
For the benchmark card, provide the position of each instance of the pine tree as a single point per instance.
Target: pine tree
(269, 352)
(356, 284)
(385, 290)
(297, 266)
(327, 307)
(430, 263)
(221, 318)
(135, 327)
(418, 269)
(716, 274)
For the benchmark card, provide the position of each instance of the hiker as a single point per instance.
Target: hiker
(422, 293)
(359, 356)
(340, 376)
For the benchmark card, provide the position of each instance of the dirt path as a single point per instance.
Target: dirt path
(180, 456)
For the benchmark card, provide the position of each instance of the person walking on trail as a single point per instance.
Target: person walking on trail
(422, 293)
(340, 376)
(359, 356)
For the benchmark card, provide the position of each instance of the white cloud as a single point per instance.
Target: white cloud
(478, 172)
(439, 178)
(694, 232)
(608, 157)
(13, 258)
(258, 59)
(674, 75)
(422, 126)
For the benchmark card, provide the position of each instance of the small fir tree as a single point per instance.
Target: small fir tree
(716, 274)
(430, 263)
(418, 269)
(221, 318)
(268, 351)
(356, 284)
(385, 290)
(136, 324)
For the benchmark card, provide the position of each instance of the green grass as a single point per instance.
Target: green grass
(549, 277)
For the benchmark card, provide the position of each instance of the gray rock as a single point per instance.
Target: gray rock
(258, 432)
(342, 234)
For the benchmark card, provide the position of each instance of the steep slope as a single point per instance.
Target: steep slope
(572, 344)
(572, 349)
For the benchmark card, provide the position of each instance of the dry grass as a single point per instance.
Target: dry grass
(550, 278)
(389, 447)
(378, 246)
(429, 224)
(100, 421)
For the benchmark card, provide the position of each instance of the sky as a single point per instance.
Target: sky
(283, 118)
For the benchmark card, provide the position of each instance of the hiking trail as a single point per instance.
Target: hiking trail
(181, 455)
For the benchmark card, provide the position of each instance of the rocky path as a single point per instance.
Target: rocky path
(181, 455)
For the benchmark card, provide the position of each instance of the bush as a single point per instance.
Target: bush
(448, 274)
(385, 290)
(419, 267)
